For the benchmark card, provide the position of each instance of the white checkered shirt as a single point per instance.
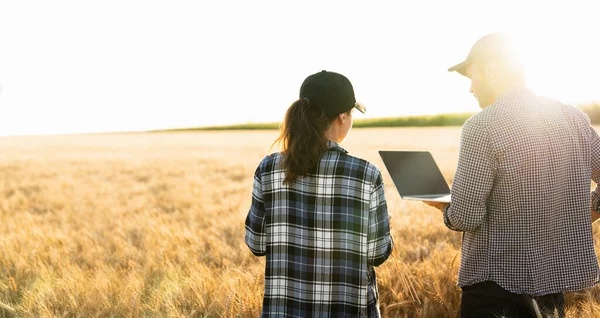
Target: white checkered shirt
(521, 195)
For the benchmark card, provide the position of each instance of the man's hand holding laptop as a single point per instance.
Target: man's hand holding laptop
(438, 205)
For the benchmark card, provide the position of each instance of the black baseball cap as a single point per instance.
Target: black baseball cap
(494, 46)
(331, 92)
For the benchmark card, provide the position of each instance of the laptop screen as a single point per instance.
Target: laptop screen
(414, 173)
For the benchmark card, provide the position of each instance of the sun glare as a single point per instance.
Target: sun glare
(558, 68)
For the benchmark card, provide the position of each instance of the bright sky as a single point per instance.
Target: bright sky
(95, 66)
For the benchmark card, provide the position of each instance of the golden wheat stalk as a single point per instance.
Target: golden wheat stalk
(7, 307)
(405, 280)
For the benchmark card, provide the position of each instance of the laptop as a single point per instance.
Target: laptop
(416, 175)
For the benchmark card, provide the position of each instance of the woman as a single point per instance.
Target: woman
(318, 214)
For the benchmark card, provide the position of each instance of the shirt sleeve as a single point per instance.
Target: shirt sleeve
(255, 221)
(379, 239)
(473, 180)
(595, 163)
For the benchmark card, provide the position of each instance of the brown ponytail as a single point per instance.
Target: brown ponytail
(302, 138)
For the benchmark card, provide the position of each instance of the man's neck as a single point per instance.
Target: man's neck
(509, 87)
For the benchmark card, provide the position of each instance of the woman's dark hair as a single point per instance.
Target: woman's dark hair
(302, 138)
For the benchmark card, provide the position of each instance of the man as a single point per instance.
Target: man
(521, 193)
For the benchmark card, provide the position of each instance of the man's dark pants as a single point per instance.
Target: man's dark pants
(488, 299)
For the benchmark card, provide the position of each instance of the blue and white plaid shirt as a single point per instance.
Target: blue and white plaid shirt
(521, 195)
(321, 234)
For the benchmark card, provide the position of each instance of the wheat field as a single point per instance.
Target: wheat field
(152, 225)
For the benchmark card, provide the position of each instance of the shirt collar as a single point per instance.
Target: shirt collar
(511, 93)
(332, 145)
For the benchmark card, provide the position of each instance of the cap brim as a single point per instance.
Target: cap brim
(360, 107)
(461, 68)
